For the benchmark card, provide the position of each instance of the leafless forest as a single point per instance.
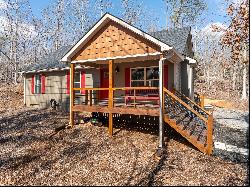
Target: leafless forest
(221, 50)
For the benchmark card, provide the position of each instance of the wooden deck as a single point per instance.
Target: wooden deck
(139, 108)
(181, 113)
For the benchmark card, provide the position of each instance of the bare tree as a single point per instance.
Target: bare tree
(131, 11)
(17, 32)
(237, 38)
(184, 12)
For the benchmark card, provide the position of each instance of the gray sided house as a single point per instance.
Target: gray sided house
(49, 78)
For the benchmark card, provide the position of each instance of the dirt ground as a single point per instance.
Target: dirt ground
(34, 151)
(240, 104)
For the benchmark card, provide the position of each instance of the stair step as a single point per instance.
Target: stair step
(175, 114)
(203, 136)
(185, 122)
(198, 131)
(180, 118)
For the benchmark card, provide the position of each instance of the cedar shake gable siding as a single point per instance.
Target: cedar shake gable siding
(115, 40)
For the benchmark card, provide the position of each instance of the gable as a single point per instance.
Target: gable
(114, 40)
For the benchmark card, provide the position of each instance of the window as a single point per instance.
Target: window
(137, 77)
(152, 78)
(148, 76)
(77, 82)
(38, 84)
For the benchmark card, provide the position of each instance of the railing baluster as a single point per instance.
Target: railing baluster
(90, 97)
(86, 97)
(134, 98)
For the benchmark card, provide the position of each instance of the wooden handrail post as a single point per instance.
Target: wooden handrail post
(111, 96)
(72, 95)
(210, 134)
(86, 97)
(202, 98)
(90, 97)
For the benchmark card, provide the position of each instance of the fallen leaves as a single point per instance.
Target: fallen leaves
(86, 155)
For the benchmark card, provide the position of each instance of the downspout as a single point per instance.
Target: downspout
(161, 129)
(161, 100)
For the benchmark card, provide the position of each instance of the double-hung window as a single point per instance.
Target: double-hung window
(146, 76)
(38, 84)
(137, 77)
(77, 82)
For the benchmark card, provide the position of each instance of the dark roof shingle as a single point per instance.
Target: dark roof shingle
(51, 60)
(176, 38)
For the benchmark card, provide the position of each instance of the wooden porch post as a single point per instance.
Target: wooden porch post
(111, 103)
(72, 94)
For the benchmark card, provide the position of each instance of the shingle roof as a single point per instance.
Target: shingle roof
(51, 60)
(176, 38)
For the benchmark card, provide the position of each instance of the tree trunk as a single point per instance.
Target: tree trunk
(244, 89)
(234, 77)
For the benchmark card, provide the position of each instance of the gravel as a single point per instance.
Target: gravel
(235, 119)
(231, 127)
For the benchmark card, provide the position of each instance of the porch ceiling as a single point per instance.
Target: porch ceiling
(171, 56)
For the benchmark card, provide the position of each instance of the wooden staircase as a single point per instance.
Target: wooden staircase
(189, 119)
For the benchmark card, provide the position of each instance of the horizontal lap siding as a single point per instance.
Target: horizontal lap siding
(56, 88)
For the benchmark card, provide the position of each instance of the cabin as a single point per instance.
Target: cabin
(116, 69)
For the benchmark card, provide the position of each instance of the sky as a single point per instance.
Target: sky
(212, 15)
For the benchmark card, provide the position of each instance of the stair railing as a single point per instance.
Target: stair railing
(191, 103)
(203, 115)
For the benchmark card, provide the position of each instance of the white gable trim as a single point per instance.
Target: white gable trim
(191, 60)
(106, 18)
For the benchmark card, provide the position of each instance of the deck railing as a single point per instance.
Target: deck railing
(132, 96)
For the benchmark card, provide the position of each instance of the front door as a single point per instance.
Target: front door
(104, 83)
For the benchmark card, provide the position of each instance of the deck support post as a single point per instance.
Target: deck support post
(72, 95)
(111, 94)
(161, 128)
(210, 134)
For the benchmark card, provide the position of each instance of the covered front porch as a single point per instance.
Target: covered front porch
(127, 85)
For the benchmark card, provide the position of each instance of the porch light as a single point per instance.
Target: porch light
(117, 69)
